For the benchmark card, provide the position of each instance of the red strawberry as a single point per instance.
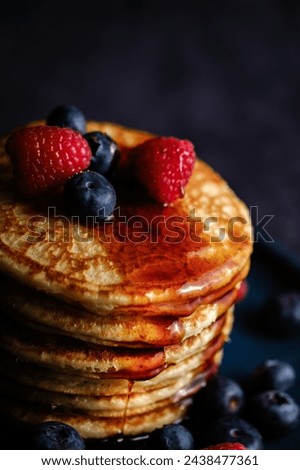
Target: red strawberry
(242, 292)
(226, 446)
(163, 165)
(45, 156)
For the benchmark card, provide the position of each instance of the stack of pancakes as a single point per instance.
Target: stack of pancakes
(113, 327)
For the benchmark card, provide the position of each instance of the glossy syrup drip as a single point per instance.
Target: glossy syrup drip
(129, 390)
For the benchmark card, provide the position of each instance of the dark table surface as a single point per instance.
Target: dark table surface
(226, 75)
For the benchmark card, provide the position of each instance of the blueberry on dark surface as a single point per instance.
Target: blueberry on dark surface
(283, 314)
(105, 152)
(221, 396)
(89, 194)
(67, 116)
(272, 374)
(171, 437)
(232, 429)
(274, 412)
(53, 435)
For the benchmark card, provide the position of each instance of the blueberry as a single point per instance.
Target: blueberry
(171, 437)
(283, 314)
(105, 152)
(53, 435)
(274, 412)
(88, 194)
(273, 374)
(232, 429)
(221, 396)
(67, 116)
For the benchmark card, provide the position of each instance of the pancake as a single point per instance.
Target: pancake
(114, 404)
(106, 415)
(57, 352)
(48, 314)
(55, 381)
(93, 427)
(106, 271)
(103, 330)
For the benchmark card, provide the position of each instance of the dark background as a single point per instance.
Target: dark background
(225, 74)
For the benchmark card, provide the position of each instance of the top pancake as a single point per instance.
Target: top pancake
(147, 257)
